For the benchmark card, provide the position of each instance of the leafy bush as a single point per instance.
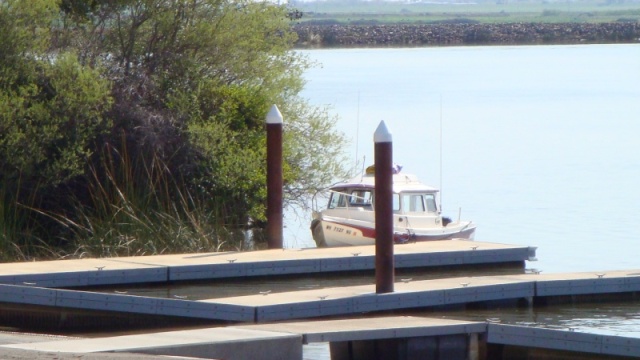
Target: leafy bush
(137, 126)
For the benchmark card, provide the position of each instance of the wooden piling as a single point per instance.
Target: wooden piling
(274, 179)
(383, 154)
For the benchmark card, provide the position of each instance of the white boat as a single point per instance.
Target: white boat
(349, 218)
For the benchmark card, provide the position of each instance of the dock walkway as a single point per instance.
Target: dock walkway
(209, 266)
(269, 341)
(350, 339)
(265, 306)
(532, 287)
(49, 285)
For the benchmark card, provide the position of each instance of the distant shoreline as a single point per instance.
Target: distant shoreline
(328, 36)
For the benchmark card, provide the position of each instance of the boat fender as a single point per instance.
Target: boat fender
(401, 238)
(445, 221)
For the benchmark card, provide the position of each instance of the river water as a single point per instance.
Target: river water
(536, 144)
(539, 145)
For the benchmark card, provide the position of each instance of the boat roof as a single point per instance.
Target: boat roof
(401, 183)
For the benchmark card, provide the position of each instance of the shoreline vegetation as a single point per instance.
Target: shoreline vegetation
(464, 34)
(136, 127)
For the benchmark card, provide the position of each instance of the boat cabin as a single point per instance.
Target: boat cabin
(406, 202)
(409, 195)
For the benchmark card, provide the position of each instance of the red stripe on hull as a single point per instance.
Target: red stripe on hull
(370, 233)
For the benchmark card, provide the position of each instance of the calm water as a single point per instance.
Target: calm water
(539, 143)
(539, 147)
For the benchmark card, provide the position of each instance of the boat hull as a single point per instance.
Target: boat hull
(331, 233)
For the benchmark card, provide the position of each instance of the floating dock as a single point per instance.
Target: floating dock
(265, 306)
(395, 337)
(223, 265)
(49, 287)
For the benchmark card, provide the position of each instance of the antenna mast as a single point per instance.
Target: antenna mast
(441, 152)
(357, 127)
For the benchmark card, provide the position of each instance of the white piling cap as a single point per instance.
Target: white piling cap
(382, 134)
(274, 116)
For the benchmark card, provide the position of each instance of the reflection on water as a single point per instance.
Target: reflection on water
(611, 318)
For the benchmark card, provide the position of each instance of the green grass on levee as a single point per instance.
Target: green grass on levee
(501, 11)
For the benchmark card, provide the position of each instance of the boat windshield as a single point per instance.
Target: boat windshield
(406, 202)
(341, 198)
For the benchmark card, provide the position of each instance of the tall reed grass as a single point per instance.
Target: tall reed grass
(133, 207)
(19, 230)
(138, 207)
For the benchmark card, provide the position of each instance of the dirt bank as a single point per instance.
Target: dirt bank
(465, 34)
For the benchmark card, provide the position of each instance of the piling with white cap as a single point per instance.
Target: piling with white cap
(383, 155)
(274, 179)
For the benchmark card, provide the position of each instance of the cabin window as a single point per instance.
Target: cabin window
(413, 203)
(396, 202)
(430, 199)
(337, 199)
(361, 198)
